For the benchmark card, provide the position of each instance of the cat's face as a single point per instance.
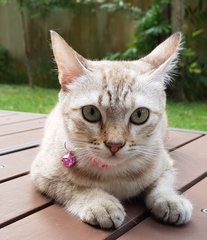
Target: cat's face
(112, 114)
(113, 111)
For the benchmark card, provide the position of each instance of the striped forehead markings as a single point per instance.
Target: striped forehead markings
(110, 95)
(100, 99)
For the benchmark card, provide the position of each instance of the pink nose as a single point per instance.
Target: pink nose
(114, 146)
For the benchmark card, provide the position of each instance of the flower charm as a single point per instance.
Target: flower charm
(68, 160)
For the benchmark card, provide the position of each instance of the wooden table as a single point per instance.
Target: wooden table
(26, 214)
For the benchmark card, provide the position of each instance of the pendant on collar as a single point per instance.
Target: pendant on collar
(68, 160)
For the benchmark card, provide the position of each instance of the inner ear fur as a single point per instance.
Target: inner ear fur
(165, 50)
(70, 64)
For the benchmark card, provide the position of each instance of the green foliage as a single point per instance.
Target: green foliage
(3, 2)
(27, 99)
(44, 73)
(194, 67)
(191, 115)
(45, 7)
(4, 62)
(192, 70)
(152, 27)
(196, 13)
(10, 72)
(120, 5)
(41, 8)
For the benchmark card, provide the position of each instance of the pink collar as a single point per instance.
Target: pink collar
(69, 160)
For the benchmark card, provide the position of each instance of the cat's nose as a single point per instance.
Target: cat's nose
(114, 146)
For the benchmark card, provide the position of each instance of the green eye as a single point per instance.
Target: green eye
(91, 113)
(140, 116)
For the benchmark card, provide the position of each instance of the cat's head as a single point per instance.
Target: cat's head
(114, 111)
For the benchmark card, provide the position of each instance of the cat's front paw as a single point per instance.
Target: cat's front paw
(173, 209)
(106, 213)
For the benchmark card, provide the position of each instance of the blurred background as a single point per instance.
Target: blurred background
(101, 29)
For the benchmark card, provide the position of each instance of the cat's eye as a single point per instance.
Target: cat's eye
(140, 116)
(91, 113)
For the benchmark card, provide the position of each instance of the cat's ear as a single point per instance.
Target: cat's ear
(70, 64)
(164, 57)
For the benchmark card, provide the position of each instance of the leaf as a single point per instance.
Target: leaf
(197, 33)
(3, 2)
(188, 52)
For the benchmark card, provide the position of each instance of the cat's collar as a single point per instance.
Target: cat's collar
(69, 160)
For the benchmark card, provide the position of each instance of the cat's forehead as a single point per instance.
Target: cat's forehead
(121, 76)
(115, 85)
(138, 65)
(121, 70)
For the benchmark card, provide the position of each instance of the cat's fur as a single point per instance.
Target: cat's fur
(116, 88)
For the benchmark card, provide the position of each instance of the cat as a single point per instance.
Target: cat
(105, 139)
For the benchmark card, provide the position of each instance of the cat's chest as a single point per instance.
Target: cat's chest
(122, 189)
(121, 186)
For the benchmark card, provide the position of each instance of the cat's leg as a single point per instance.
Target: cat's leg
(165, 203)
(91, 205)
(97, 207)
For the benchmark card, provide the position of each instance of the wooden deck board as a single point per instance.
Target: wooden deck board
(178, 138)
(22, 126)
(7, 118)
(51, 223)
(18, 196)
(19, 140)
(191, 162)
(196, 229)
(16, 164)
(26, 214)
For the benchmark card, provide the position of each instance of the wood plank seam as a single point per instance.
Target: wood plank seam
(192, 183)
(13, 177)
(129, 225)
(185, 143)
(19, 148)
(26, 214)
(187, 130)
(26, 120)
(27, 130)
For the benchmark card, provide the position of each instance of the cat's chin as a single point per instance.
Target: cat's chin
(111, 160)
(114, 159)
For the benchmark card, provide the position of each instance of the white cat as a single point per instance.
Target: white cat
(104, 140)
